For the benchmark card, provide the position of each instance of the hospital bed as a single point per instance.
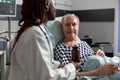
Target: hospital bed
(55, 33)
(4, 56)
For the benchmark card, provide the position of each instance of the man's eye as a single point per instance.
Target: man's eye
(74, 24)
(67, 24)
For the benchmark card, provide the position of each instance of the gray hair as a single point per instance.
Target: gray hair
(70, 15)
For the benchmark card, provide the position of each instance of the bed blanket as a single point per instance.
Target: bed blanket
(94, 62)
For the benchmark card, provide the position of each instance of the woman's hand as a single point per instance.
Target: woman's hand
(107, 69)
(76, 64)
(100, 53)
(61, 65)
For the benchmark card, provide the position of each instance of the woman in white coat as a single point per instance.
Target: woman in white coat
(32, 56)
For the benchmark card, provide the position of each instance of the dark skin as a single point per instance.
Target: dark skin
(50, 8)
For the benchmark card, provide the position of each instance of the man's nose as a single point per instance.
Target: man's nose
(71, 26)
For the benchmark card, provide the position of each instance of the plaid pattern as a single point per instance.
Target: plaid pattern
(63, 53)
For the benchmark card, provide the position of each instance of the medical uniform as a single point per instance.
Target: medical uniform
(32, 58)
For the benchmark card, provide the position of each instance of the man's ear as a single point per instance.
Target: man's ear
(47, 3)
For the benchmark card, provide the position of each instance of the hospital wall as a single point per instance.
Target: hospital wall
(61, 4)
(101, 31)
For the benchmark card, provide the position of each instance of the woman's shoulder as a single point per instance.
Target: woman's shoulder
(32, 33)
(60, 44)
(34, 30)
(83, 42)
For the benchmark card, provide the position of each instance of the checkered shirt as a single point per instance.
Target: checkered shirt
(63, 53)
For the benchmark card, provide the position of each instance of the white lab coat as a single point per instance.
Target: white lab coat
(32, 59)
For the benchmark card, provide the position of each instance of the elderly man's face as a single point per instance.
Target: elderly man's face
(70, 27)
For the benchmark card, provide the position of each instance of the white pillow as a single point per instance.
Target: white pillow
(54, 31)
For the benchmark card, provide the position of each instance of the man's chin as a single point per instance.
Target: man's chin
(72, 37)
(52, 18)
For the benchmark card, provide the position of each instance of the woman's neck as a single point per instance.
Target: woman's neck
(72, 42)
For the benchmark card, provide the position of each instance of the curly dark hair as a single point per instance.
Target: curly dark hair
(34, 12)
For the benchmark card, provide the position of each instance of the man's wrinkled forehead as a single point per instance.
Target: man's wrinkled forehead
(69, 19)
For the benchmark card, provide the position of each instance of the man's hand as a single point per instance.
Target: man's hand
(107, 69)
(100, 53)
